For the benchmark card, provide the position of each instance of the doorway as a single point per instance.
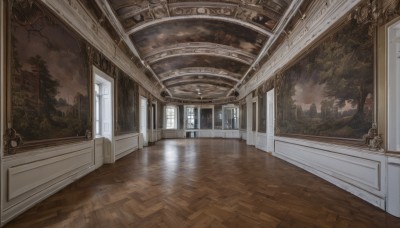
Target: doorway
(104, 112)
(143, 120)
(270, 120)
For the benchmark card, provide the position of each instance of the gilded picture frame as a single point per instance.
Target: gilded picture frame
(48, 99)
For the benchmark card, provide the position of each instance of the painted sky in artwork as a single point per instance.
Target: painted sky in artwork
(307, 93)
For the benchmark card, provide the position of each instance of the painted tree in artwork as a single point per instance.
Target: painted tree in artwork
(48, 87)
(346, 66)
(338, 73)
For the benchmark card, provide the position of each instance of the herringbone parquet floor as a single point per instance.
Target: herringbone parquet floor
(202, 183)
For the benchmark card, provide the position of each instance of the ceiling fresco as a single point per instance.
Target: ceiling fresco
(223, 82)
(194, 30)
(200, 45)
(199, 91)
(262, 13)
(199, 61)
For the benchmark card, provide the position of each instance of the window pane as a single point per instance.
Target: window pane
(231, 120)
(170, 117)
(217, 117)
(192, 118)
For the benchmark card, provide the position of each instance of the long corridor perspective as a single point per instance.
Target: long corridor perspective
(202, 183)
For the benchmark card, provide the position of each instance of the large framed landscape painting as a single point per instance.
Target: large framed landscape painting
(127, 105)
(329, 91)
(48, 77)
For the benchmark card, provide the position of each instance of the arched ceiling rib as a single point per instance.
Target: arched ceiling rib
(200, 71)
(178, 19)
(199, 48)
(199, 45)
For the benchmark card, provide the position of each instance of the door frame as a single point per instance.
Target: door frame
(98, 75)
(143, 119)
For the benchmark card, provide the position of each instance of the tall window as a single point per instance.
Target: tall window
(170, 117)
(97, 109)
(231, 118)
(191, 118)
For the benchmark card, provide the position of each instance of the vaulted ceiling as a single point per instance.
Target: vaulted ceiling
(200, 50)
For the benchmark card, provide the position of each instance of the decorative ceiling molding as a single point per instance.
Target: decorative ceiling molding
(133, 16)
(78, 18)
(203, 52)
(229, 36)
(108, 11)
(322, 15)
(201, 48)
(192, 71)
(216, 82)
(222, 8)
(217, 18)
(290, 12)
(224, 100)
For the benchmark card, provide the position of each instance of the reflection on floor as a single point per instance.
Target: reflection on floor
(202, 183)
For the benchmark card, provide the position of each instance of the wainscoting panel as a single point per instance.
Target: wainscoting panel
(261, 141)
(250, 140)
(159, 134)
(243, 134)
(359, 171)
(30, 177)
(232, 134)
(173, 134)
(98, 152)
(393, 194)
(126, 144)
(205, 134)
(219, 134)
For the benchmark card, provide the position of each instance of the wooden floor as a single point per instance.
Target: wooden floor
(202, 183)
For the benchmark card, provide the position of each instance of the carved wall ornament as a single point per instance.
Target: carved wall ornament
(372, 133)
(376, 143)
(12, 141)
(88, 135)
(367, 12)
(390, 10)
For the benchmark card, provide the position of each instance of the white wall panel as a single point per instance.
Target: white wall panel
(261, 141)
(26, 177)
(159, 134)
(205, 134)
(393, 180)
(32, 176)
(173, 134)
(359, 171)
(243, 134)
(98, 152)
(232, 134)
(125, 144)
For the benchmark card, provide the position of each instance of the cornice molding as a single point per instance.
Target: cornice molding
(200, 48)
(322, 15)
(199, 71)
(187, 17)
(77, 17)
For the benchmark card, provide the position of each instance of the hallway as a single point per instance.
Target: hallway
(202, 183)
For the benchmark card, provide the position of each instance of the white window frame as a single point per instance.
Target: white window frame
(174, 118)
(97, 112)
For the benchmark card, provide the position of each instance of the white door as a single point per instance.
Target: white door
(143, 120)
(270, 120)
